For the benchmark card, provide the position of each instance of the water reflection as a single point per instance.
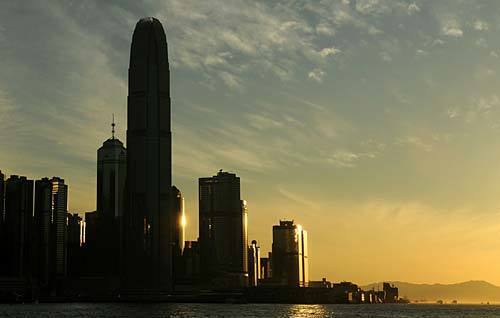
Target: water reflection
(302, 311)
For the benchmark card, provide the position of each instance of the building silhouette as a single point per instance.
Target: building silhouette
(179, 220)
(254, 266)
(147, 256)
(18, 226)
(59, 223)
(223, 231)
(111, 176)
(3, 236)
(103, 233)
(178, 230)
(290, 265)
(2, 199)
(43, 225)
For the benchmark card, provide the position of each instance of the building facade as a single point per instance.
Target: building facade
(43, 224)
(147, 256)
(290, 266)
(59, 205)
(105, 254)
(254, 267)
(223, 231)
(111, 176)
(18, 227)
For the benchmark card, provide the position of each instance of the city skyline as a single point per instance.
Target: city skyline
(351, 157)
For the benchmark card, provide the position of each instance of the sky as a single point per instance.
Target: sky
(375, 124)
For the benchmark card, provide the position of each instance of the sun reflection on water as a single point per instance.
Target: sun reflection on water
(307, 311)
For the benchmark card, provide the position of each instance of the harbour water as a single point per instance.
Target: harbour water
(90, 310)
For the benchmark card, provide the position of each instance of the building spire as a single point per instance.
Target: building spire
(113, 127)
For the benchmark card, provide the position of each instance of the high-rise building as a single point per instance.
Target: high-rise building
(265, 268)
(223, 231)
(147, 258)
(2, 198)
(43, 220)
(290, 265)
(58, 231)
(104, 255)
(178, 227)
(254, 264)
(111, 175)
(3, 238)
(179, 220)
(74, 257)
(18, 226)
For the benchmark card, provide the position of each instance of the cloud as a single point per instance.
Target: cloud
(317, 75)
(230, 80)
(385, 56)
(329, 51)
(413, 8)
(481, 25)
(453, 112)
(416, 142)
(297, 198)
(452, 28)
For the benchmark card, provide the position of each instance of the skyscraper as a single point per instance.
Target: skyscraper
(254, 266)
(178, 228)
(42, 220)
(223, 231)
(111, 173)
(58, 231)
(3, 238)
(2, 198)
(111, 176)
(289, 257)
(18, 226)
(178, 220)
(147, 253)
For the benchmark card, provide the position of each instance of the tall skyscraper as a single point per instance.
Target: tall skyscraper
(223, 231)
(59, 205)
(111, 173)
(111, 176)
(43, 220)
(18, 226)
(147, 260)
(290, 265)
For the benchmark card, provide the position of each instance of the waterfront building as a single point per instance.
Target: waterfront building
(254, 264)
(178, 229)
(265, 268)
(59, 226)
(43, 224)
(223, 231)
(74, 256)
(147, 252)
(289, 255)
(17, 258)
(111, 176)
(104, 255)
(179, 221)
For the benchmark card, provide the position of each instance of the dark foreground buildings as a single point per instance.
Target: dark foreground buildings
(223, 232)
(147, 256)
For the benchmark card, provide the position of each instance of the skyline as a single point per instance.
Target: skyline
(352, 175)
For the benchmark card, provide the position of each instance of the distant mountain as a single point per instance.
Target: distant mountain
(467, 292)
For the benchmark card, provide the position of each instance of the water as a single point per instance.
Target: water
(88, 310)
